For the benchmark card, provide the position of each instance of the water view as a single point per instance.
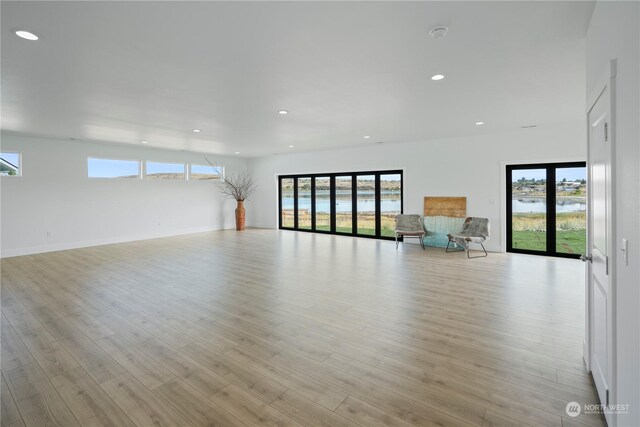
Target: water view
(529, 209)
(365, 206)
(536, 204)
(390, 202)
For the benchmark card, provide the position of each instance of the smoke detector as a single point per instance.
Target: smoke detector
(438, 32)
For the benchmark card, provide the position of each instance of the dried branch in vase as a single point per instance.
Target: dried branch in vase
(239, 185)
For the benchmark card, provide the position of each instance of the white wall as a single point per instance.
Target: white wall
(469, 166)
(55, 196)
(614, 33)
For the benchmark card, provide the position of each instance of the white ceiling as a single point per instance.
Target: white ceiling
(131, 71)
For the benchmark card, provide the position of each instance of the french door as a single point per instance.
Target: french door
(546, 209)
(362, 204)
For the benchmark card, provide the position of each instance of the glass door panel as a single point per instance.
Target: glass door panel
(529, 209)
(344, 202)
(366, 205)
(571, 210)
(304, 203)
(354, 203)
(390, 202)
(286, 203)
(323, 203)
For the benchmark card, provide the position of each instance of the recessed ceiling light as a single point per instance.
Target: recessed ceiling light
(144, 142)
(479, 123)
(437, 77)
(366, 137)
(26, 35)
(283, 112)
(438, 32)
(291, 146)
(237, 152)
(197, 130)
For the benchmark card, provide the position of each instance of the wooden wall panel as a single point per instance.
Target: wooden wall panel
(455, 207)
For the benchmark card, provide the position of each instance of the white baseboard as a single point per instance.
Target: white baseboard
(8, 253)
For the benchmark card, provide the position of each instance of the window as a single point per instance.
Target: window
(358, 204)
(546, 209)
(206, 172)
(158, 170)
(111, 168)
(10, 164)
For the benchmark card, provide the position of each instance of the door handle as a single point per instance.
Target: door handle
(585, 258)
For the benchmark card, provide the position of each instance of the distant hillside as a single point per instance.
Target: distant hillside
(343, 185)
(164, 176)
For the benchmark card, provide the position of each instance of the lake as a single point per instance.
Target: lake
(539, 205)
(389, 203)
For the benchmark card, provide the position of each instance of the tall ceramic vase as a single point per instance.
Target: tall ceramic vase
(240, 215)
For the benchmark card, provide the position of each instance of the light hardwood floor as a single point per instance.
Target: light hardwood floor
(281, 328)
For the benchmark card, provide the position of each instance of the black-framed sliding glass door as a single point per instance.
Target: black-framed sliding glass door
(366, 197)
(287, 203)
(360, 204)
(344, 192)
(304, 202)
(322, 203)
(390, 200)
(546, 209)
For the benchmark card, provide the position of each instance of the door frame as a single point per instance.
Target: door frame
(551, 209)
(607, 81)
(503, 187)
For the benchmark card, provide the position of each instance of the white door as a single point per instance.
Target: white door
(599, 247)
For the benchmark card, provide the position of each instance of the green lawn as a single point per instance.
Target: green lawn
(571, 234)
(528, 229)
(569, 241)
(343, 224)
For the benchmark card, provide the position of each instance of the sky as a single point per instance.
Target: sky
(570, 173)
(391, 177)
(107, 168)
(13, 158)
(205, 169)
